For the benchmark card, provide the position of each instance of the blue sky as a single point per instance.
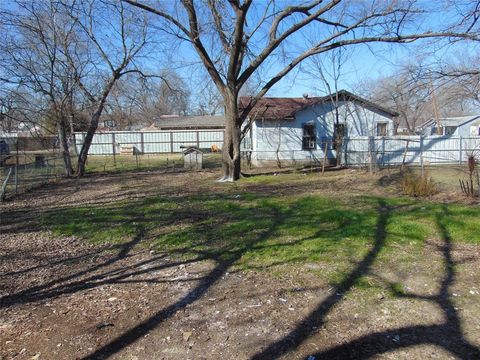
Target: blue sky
(364, 62)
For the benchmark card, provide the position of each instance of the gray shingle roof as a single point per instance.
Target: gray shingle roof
(189, 122)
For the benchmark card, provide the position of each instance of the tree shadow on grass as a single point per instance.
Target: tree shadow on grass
(203, 227)
(224, 261)
(65, 285)
(315, 319)
(225, 231)
(111, 270)
(217, 229)
(447, 335)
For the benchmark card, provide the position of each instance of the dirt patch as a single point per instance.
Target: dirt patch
(62, 298)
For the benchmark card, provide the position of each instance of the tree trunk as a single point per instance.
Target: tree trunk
(82, 157)
(92, 128)
(63, 140)
(339, 152)
(231, 141)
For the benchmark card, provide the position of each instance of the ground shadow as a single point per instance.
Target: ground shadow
(315, 319)
(224, 256)
(447, 335)
(224, 261)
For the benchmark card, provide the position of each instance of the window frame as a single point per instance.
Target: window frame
(445, 128)
(385, 125)
(309, 138)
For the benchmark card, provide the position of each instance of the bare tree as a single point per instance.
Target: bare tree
(461, 76)
(405, 93)
(326, 70)
(140, 101)
(210, 102)
(17, 111)
(115, 38)
(413, 92)
(34, 62)
(234, 40)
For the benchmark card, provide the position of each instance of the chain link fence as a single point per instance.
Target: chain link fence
(26, 171)
(146, 162)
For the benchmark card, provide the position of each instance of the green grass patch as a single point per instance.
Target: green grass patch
(256, 230)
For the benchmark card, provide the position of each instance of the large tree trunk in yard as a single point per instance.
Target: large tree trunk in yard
(63, 140)
(231, 141)
(92, 128)
(82, 157)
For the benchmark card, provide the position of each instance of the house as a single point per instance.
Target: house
(452, 126)
(299, 129)
(168, 122)
(178, 122)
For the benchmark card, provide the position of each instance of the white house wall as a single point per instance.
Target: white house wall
(466, 129)
(282, 139)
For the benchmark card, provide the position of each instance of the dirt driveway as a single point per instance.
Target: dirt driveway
(63, 298)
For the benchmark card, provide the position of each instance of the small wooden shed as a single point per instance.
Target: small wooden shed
(192, 158)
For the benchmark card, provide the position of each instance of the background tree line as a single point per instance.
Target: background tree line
(67, 64)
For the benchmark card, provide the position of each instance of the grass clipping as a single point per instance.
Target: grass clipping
(418, 185)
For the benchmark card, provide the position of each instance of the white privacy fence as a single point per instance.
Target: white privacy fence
(361, 150)
(153, 142)
(409, 149)
(110, 143)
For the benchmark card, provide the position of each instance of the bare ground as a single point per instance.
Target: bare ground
(65, 299)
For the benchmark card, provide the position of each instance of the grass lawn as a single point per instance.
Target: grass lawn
(257, 229)
(174, 265)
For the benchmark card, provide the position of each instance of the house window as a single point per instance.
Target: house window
(449, 130)
(309, 141)
(109, 123)
(381, 129)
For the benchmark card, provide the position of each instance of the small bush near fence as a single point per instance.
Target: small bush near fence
(418, 185)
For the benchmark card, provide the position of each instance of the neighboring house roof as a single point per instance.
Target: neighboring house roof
(151, 127)
(172, 122)
(190, 122)
(450, 121)
(271, 108)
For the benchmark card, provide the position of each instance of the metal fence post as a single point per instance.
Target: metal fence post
(171, 141)
(16, 171)
(383, 151)
(16, 179)
(113, 144)
(113, 149)
(370, 147)
(460, 154)
(142, 143)
(4, 186)
(421, 155)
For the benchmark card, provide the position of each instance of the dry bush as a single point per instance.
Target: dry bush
(417, 185)
(468, 186)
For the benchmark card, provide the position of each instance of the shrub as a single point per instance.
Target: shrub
(418, 186)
